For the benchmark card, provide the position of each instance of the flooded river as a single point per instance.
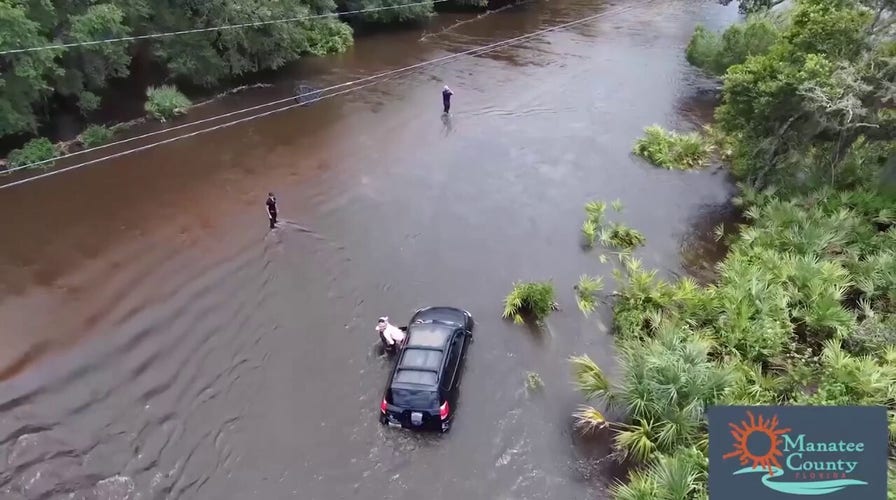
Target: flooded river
(159, 342)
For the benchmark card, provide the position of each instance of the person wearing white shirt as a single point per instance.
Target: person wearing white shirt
(391, 335)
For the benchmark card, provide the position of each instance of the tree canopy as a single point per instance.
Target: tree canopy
(31, 83)
(811, 87)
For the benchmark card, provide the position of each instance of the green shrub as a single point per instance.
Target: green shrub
(165, 102)
(703, 50)
(35, 150)
(88, 101)
(672, 150)
(96, 135)
(716, 53)
(872, 335)
(533, 298)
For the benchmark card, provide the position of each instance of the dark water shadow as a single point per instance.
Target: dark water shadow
(595, 460)
(696, 108)
(701, 251)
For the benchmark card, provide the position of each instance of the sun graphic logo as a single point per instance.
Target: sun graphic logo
(758, 454)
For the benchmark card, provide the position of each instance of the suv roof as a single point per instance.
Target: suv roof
(423, 355)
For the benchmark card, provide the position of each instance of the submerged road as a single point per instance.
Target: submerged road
(160, 342)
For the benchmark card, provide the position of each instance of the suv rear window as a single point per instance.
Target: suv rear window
(410, 398)
(424, 358)
(416, 377)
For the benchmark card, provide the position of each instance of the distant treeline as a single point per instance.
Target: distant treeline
(34, 85)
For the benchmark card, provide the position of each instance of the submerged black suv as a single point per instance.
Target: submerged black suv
(422, 390)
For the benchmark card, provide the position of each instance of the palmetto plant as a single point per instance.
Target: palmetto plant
(802, 312)
(621, 237)
(594, 210)
(589, 419)
(847, 379)
(594, 216)
(665, 384)
(589, 232)
(586, 293)
(534, 298)
(752, 386)
(667, 477)
(672, 150)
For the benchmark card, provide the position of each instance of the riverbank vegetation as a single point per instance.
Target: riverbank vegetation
(804, 307)
(39, 150)
(40, 84)
(165, 102)
(95, 135)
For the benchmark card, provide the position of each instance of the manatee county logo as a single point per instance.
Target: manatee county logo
(790, 463)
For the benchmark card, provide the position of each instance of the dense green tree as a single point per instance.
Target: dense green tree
(716, 53)
(88, 68)
(25, 78)
(387, 16)
(33, 82)
(208, 57)
(824, 85)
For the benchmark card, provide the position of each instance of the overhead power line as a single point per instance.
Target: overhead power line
(214, 28)
(378, 78)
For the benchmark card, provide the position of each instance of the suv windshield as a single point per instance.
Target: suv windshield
(416, 399)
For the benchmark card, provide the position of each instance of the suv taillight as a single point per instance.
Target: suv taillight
(383, 406)
(443, 410)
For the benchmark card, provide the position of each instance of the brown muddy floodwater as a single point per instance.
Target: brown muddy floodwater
(159, 342)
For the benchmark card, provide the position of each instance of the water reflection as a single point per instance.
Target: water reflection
(446, 124)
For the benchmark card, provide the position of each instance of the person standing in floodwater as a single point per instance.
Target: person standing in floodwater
(446, 98)
(272, 209)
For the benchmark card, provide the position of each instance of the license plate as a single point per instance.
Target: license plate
(416, 417)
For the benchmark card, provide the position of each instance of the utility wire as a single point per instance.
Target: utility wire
(214, 28)
(472, 52)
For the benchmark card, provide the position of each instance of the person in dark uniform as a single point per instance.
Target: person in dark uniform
(446, 98)
(272, 209)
